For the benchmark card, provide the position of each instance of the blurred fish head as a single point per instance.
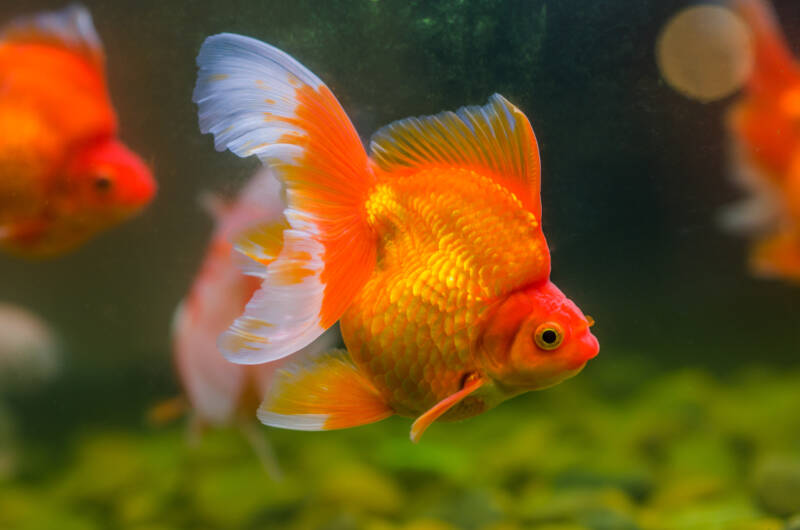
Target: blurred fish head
(113, 183)
(537, 338)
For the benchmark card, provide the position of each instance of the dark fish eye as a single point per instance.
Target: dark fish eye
(102, 183)
(549, 336)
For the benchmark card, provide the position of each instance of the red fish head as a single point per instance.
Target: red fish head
(537, 338)
(111, 180)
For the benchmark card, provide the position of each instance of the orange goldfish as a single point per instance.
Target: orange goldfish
(429, 252)
(764, 127)
(222, 393)
(64, 175)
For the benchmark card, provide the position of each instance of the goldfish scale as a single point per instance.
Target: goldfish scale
(461, 341)
(422, 340)
(415, 371)
(377, 325)
(396, 292)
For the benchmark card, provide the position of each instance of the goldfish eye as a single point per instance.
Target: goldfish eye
(102, 183)
(549, 336)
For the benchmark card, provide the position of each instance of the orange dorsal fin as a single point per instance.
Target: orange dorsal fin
(495, 139)
(321, 393)
(774, 66)
(257, 100)
(71, 28)
(423, 422)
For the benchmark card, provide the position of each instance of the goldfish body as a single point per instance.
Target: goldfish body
(429, 252)
(64, 176)
(765, 129)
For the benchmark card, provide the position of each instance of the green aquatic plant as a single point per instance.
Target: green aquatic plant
(668, 454)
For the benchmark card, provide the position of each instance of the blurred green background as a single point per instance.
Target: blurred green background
(687, 419)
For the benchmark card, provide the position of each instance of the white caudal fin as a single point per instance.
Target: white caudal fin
(257, 100)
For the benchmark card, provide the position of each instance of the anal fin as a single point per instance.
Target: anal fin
(322, 393)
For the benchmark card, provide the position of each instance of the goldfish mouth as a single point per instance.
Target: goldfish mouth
(588, 348)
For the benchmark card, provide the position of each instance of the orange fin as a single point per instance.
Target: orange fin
(257, 100)
(777, 256)
(774, 65)
(71, 28)
(322, 393)
(167, 411)
(423, 422)
(496, 140)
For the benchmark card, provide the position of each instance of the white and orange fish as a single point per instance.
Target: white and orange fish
(429, 251)
(219, 392)
(709, 51)
(764, 125)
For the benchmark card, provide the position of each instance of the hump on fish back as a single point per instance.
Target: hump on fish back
(71, 28)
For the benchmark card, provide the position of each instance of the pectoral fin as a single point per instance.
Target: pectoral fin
(472, 383)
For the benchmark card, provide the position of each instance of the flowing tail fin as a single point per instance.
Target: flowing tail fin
(774, 64)
(257, 100)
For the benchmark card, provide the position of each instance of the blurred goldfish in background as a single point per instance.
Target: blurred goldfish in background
(221, 393)
(30, 357)
(708, 52)
(30, 354)
(765, 129)
(430, 251)
(64, 175)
